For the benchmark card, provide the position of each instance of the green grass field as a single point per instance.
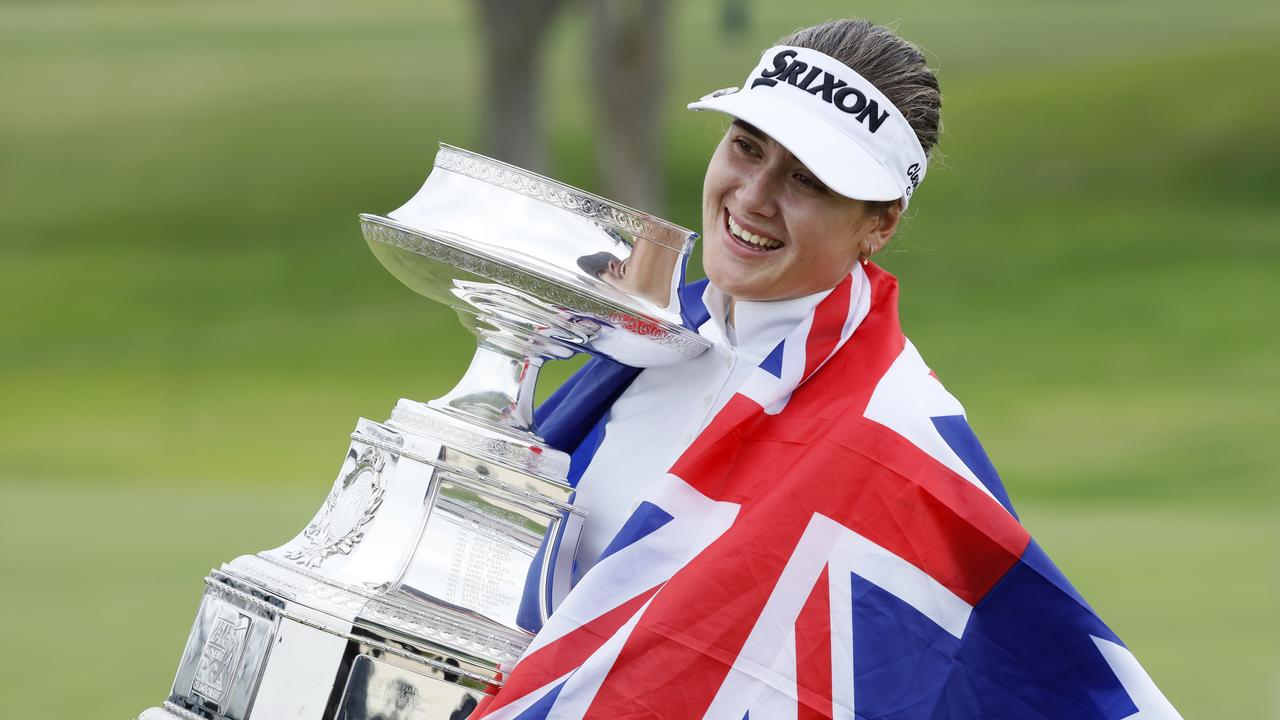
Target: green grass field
(192, 324)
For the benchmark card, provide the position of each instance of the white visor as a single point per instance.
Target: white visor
(835, 122)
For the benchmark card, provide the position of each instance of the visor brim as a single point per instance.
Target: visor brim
(836, 159)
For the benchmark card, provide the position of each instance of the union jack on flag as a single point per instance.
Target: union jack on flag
(835, 544)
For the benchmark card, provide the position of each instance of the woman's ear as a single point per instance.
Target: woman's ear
(884, 223)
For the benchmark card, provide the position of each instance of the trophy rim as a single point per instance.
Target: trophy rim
(623, 217)
(554, 283)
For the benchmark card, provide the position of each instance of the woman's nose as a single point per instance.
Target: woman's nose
(757, 194)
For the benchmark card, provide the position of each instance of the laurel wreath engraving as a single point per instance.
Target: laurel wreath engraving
(340, 525)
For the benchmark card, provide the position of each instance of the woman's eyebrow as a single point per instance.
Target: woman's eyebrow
(748, 127)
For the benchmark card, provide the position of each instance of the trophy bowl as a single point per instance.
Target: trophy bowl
(449, 534)
(537, 270)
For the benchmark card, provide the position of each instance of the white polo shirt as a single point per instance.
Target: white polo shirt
(665, 408)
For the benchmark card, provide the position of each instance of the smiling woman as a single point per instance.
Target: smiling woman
(800, 522)
(773, 231)
(799, 189)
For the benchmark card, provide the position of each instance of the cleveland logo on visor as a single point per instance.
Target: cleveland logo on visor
(818, 82)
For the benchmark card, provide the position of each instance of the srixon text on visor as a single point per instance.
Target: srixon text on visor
(833, 90)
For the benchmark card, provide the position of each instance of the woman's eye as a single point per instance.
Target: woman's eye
(808, 182)
(744, 145)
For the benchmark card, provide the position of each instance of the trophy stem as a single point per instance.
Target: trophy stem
(497, 390)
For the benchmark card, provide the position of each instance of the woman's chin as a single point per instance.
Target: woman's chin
(740, 286)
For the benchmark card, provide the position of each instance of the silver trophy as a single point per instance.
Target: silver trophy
(449, 534)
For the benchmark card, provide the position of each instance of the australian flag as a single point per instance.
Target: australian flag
(835, 544)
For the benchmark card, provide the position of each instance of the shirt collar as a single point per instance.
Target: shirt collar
(758, 327)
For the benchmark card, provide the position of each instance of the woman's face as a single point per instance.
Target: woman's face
(771, 230)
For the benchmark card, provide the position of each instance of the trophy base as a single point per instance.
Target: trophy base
(405, 598)
(256, 655)
(165, 714)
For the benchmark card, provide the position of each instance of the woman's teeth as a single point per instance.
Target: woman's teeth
(749, 237)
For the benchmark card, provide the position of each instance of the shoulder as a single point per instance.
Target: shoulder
(911, 401)
(911, 389)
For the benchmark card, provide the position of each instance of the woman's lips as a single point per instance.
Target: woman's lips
(744, 247)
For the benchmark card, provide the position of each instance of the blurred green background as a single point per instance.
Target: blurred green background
(192, 323)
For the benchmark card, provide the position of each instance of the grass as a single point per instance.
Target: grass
(192, 324)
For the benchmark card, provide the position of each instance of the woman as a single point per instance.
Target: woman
(799, 523)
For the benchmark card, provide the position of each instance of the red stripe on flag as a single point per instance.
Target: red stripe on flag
(922, 511)
(813, 653)
(703, 460)
(558, 657)
(678, 655)
(878, 340)
(828, 322)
